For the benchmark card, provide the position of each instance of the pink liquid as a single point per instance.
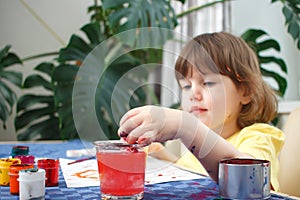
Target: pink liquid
(121, 173)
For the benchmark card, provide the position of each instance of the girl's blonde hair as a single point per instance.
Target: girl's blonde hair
(229, 55)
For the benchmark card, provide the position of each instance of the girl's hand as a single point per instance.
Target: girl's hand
(150, 124)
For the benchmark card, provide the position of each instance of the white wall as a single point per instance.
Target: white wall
(261, 14)
(28, 36)
(65, 17)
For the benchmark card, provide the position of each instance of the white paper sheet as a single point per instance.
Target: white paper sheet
(81, 174)
(85, 174)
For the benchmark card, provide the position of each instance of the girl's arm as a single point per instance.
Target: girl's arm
(156, 124)
(157, 150)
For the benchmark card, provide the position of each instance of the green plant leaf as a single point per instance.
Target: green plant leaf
(126, 15)
(282, 83)
(77, 50)
(37, 80)
(29, 116)
(50, 131)
(36, 117)
(268, 44)
(271, 59)
(4, 51)
(4, 111)
(11, 59)
(44, 130)
(118, 105)
(7, 94)
(27, 101)
(45, 67)
(93, 33)
(291, 12)
(7, 58)
(253, 37)
(12, 76)
(65, 73)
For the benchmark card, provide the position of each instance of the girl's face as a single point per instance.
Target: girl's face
(214, 99)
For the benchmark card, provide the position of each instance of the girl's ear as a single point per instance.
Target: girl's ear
(246, 96)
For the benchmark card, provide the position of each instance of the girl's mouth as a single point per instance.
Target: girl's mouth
(196, 110)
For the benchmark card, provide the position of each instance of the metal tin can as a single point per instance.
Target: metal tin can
(5, 163)
(51, 166)
(26, 159)
(14, 175)
(19, 150)
(244, 178)
(32, 184)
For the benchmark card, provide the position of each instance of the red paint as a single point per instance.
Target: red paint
(90, 174)
(51, 166)
(244, 161)
(132, 149)
(121, 173)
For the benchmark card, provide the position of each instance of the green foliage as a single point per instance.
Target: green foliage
(291, 12)
(260, 42)
(37, 114)
(8, 77)
(51, 116)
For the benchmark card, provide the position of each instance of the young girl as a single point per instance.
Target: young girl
(225, 103)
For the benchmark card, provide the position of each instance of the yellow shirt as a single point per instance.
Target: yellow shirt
(260, 140)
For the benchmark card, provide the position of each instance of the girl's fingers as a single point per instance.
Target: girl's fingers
(141, 136)
(128, 125)
(136, 134)
(147, 138)
(142, 124)
(129, 115)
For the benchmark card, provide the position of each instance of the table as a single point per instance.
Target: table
(204, 188)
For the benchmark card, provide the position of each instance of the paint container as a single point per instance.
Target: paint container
(51, 166)
(244, 178)
(5, 163)
(121, 168)
(26, 159)
(32, 184)
(19, 150)
(14, 175)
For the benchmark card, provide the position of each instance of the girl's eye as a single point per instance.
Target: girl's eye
(184, 84)
(186, 87)
(209, 83)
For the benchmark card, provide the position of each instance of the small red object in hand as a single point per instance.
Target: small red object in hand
(123, 134)
(132, 149)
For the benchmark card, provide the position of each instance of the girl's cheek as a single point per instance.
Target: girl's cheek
(185, 103)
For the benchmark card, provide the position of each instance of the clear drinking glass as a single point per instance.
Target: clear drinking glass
(121, 169)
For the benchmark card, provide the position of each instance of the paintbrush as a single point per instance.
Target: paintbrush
(81, 160)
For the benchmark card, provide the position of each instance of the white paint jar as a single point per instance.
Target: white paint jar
(32, 184)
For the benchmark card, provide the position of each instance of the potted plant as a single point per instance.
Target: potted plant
(108, 20)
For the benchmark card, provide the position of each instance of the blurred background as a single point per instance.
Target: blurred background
(41, 32)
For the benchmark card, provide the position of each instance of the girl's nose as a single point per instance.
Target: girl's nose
(196, 94)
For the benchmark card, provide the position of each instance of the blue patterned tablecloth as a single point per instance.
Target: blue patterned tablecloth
(188, 189)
